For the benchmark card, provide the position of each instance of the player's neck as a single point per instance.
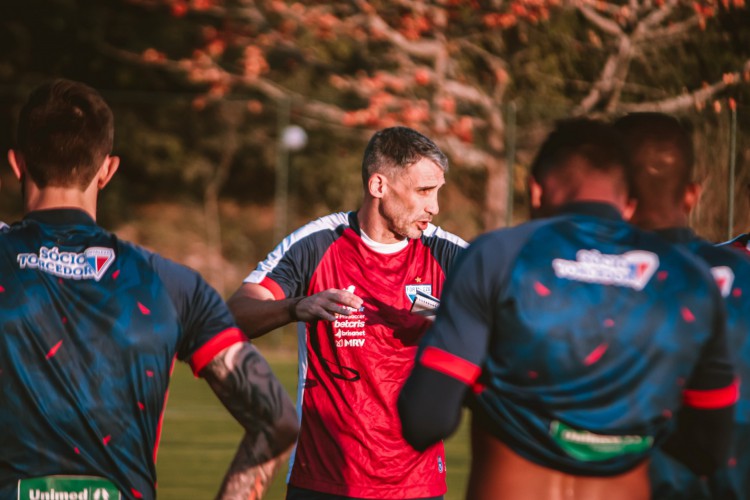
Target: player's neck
(662, 220)
(59, 197)
(374, 225)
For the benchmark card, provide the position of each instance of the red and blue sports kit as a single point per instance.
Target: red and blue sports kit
(581, 338)
(731, 270)
(351, 369)
(741, 242)
(90, 327)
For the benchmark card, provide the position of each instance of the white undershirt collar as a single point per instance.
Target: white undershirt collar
(383, 248)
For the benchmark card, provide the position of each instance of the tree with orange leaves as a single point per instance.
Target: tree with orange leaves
(446, 67)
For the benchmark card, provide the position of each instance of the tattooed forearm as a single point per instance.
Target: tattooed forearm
(249, 483)
(244, 383)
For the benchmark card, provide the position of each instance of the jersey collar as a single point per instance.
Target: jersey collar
(593, 208)
(67, 216)
(677, 234)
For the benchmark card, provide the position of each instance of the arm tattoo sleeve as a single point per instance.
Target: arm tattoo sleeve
(247, 387)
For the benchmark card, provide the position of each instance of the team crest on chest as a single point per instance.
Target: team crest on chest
(724, 278)
(411, 290)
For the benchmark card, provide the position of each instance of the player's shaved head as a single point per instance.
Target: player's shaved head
(661, 167)
(578, 155)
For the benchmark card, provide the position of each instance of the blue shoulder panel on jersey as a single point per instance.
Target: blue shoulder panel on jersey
(445, 246)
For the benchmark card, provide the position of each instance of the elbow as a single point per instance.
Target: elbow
(420, 427)
(244, 321)
(429, 406)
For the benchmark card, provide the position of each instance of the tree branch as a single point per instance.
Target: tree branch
(684, 101)
(606, 25)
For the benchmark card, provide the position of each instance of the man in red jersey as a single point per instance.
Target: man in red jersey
(349, 279)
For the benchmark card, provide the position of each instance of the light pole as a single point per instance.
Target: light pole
(290, 138)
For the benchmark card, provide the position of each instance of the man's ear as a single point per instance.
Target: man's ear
(16, 163)
(107, 171)
(535, 194)
(691, 198)
(377, 185)
(629, 209)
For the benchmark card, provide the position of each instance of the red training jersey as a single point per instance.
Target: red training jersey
(352, 369)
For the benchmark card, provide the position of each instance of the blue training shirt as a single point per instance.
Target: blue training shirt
(581, 337)
(731, 270)
(90, 327)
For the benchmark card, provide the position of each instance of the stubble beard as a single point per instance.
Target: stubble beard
(401, 226)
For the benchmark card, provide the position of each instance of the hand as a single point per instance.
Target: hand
(326, 305)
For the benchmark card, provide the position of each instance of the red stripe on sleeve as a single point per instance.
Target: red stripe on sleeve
(714, 398)
(450, 364)
(273, 287)
(207, 351)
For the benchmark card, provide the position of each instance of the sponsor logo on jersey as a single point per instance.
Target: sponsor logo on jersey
(92, 263)
(631, 269)
(440, 464)
(724, 277)
(67, 488)
(411, 290)
(101, 494)
(350, 330)
(350, 342)
(587, 446)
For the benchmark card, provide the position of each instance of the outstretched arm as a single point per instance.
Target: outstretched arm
(245, 384)
(257, 313)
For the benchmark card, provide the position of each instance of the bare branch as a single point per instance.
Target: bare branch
(675, 30)
(606, 25)
(467, 155)
(685, 101)
(656, 17)
(611, 78)
(422, 49)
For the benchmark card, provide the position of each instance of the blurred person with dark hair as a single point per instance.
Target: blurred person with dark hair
(91, 325)
(662, 164)
(349, 280)
(571, 337)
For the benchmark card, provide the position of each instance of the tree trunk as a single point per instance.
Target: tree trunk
(496, 194)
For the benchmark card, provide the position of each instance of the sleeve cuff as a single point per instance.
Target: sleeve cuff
(273, 287)
(450, 364)
(210, 349)
(712, 399)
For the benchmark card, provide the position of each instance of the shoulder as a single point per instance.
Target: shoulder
(168, 271)
(436, 233)
(726, 262)
(331, 222)
(326, 228)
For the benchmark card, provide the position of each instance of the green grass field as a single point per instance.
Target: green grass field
(199, 439)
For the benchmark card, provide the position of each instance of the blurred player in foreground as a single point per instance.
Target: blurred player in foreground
(90, 326)
(349, 278)
(580, 338)
(662, 159)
